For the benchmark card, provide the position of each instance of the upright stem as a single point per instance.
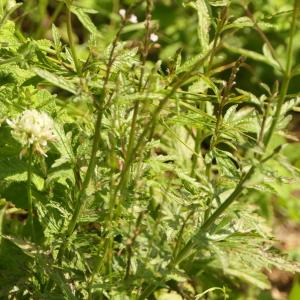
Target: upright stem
(198, 139)
(287, 75)
(81, 197)
(71, 39)
(208, 222)
(144, 55)
(88, 176)
(186, 250)
(29, 192)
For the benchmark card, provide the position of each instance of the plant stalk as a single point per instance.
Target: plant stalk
(287, 75)
(81, 197)
(29, 192)
(71, 39)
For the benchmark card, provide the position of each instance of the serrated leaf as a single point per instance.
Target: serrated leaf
(56, 38)
(85, 20)
(225, 161)
(267, 53)
(56, 80)
(36, 180)
(263, 187)
(257, 279)
(63, 146)
(7, 34)
(189, 64)
(251, 54)
(243, 22)
(289, 105)
(11, 6)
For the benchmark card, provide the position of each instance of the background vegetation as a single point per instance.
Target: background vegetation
(149, 149)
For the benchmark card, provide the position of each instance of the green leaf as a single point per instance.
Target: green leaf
(7, 36)
(199, 296)
(85, 20)
(219, 2)
(225, 161)
(243, 22)
(267, 53)
(56, 80)
(253, 55)
(56, 38)
(11, 6)
(203, 24)
(14, 264)
(295, 292)
(189, 64)
(63, 146)
(256, 279)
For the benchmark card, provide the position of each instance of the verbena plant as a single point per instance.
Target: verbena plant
(126, 177)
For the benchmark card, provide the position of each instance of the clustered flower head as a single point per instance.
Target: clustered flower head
(33, 129)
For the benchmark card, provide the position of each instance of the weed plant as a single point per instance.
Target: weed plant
(123, 176)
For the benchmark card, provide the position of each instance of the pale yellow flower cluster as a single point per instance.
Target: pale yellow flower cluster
(33, 129)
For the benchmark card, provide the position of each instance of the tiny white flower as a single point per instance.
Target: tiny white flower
(33, 128)
(133, 19)
(122, 12)
(153, 37)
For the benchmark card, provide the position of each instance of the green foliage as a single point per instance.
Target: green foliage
(166, 152)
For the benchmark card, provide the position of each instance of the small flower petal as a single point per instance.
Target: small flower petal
(122, 13)
(153, 37)
(33, 128)
(133, 19)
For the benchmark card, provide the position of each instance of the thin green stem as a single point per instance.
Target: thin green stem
(189, 246)
(89, 173)
(219, 118)
(131, 243)
(179, 238)
(131, 139)
(221, 22)
(29, 192)
(221, 209)
(71, 39)
(151, 125)
(81, 197)
(186, 250)
(136, 105)
(197, 147)
(287, 75)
